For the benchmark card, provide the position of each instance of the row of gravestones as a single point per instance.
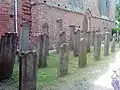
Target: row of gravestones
(28, 60)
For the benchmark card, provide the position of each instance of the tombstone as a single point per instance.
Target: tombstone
(45, 30)
(92, 37)
(62, 39)
(24, 37)
(81, 34)
(76, 43)
(43, 50)
(88, 41)
(72, 31)
(8, 48)
(117, 36)
(97, 46)
(27, 71)
(106, 44)
(64, 58)
(59, 29)
(83, 54)
(113, 43)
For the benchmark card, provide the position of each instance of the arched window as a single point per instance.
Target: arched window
(82, 4)
(104, 7)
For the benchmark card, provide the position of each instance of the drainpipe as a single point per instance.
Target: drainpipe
(15, 16)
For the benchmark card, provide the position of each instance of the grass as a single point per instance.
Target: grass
(48, 76)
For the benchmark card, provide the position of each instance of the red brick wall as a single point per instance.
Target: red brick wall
(4, 18)
(42, 13)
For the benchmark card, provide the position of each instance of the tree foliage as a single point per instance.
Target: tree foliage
(118, 13)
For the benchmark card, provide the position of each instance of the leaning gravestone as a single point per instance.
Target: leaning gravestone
(76, 43)
(83, 54)
(72, 31)
(59, 29)
(106, 44)
(113, 43)
(88, 41)
(8, 48)
(28, 70)
(97, 46)
(64, 58)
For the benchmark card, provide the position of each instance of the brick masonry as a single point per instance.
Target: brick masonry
(46, 12)
(51, 10)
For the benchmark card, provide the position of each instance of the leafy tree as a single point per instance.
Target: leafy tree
(118, 13)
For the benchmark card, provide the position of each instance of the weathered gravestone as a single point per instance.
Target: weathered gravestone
(28, 70)
(76, 43)
(59, 29)
(72, 32)
(92, 37)
(97, 46)
(113, 43)
(8, 48)
(24, 37)
(43, 50)
(106, 44)
(83, 54)
(64, 58)
(45, 30)
(62, 39)
(88, 41)
(117, 36)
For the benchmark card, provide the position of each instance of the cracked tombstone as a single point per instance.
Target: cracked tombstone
(59, 29)
(45, 28)
(62, 39)
(113, 43)
(27, 71)
(106, 44)
(97, 47)
(43, 50)
(88, 41)
(72, 32)
(64, 58)
(76, 43)
(83, 54)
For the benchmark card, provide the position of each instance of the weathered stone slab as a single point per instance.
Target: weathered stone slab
(72, 32)
(76, 43)
(92, 38)
(83, 54)
(117, 36)
(8, 47)
(113, 43)
(97, 46)
(62, 39)
(59, 29)
(64, 58)
(88, 41)
(28, 70)
(106, 44)
(43, 50)
(45, 30)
